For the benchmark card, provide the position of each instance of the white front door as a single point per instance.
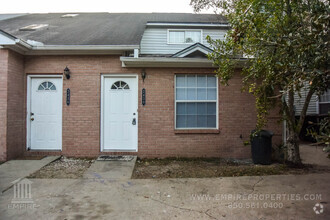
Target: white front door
(45, 113)
(119, 113)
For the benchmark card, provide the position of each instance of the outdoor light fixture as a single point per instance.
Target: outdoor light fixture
(66, 72)
(143, 74)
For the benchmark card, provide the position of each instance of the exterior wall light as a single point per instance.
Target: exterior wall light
(143, 74)
(66, 72)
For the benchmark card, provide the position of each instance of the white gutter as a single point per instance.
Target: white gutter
(23, 44)
(171, 62)
(188, 24)
(166, 62)
(23, 47)
(85, 47)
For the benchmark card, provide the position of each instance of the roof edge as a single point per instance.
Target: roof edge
(187, 24)
(197, 46)
(169, 62)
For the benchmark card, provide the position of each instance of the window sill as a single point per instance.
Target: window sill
(197, 131)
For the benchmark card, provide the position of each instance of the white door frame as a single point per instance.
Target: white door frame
(103, 76)
(28, 106)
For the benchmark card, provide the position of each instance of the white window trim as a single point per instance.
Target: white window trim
(194, 101)
(168, 35)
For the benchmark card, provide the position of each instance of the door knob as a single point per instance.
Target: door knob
(134, 121)
(32, 119)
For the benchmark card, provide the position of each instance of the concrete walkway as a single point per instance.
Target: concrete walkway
(295, 196)
(314, 155)
(111, 170)
(19, 169)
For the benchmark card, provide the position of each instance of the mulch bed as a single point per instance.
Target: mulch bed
(206, 167)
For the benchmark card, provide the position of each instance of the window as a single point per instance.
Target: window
(120, 85)
(46, 86)
(324, 102)
(196, 101)
(182, 36)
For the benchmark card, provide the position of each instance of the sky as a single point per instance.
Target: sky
(46, 6)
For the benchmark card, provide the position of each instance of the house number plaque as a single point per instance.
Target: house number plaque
(143, 96)
(68, 97)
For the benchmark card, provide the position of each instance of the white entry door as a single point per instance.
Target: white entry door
(119, 113)
(45, 113)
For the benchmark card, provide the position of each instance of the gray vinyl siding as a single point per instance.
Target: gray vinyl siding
(299, 102)
(154, 40)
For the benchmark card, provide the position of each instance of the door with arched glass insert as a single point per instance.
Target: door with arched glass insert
(119, 114)
(45, 113)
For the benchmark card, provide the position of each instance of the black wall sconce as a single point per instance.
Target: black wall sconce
(66, 72)
(143, 74)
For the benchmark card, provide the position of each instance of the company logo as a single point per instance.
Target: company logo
(318, 208)
(22, 198)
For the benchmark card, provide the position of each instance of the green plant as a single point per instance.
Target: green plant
(246, 143)
(323, 135)
(285, 44)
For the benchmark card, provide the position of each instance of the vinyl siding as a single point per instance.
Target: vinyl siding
(154, 40)
(299, 102)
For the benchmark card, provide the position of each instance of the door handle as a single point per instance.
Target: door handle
(134, 121)
(32, 119)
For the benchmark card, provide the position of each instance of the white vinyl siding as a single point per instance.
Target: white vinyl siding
(155, 40)
(196, 102)
(300, 100)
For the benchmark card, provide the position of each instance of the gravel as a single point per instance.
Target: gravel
(64, 168)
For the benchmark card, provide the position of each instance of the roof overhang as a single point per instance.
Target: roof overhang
(172, 62)
(81, 49)
(166, 62)
(188, 24)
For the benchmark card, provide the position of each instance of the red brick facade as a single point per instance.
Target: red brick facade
(157, 136)
(3, 103)
(12, 94)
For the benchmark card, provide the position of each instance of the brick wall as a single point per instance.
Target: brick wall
(15, 106)
(3, 103)
(12, 92)
(157, 137)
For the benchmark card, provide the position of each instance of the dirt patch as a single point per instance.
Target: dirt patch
(64, 168)
(204, 168)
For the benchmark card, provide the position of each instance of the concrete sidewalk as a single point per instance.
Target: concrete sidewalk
(111, 170)
(314, 155)
(19, 169)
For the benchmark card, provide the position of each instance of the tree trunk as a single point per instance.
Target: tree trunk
(293, 148)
